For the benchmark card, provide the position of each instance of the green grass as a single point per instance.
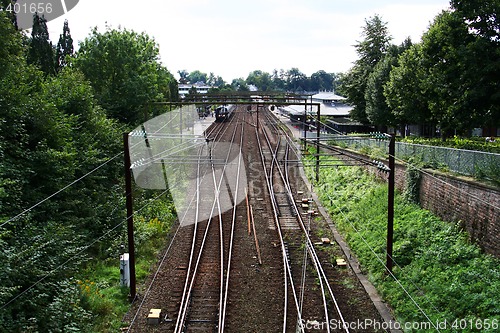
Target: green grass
(99, 284)
(445, 274)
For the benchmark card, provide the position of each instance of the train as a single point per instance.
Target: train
(224, 112)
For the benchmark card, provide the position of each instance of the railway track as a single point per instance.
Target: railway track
(291, 226)
(213, 277)
(204, 297)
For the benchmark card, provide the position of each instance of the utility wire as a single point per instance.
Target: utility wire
(79, 252)
(392, 258)
(73, 182)
(387, 269)
(428, 174)
(59, 191)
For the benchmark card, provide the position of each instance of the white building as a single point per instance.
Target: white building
(201, 88)
(332, 106)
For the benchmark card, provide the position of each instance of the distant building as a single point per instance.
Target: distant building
(201, 88)
(333, 107)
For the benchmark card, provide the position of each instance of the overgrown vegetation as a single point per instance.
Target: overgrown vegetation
(101, 293)
(62, 208)
(412, 188)
(438, 269)
(473, 143)
(482, 166)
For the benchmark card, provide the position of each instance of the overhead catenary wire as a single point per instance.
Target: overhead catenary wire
(27, 210)
(468, 193)
(309, 245)
(181, 219)
(417, 287)
(84, 247)
(399, 283)
(216, 203)
(358, 230)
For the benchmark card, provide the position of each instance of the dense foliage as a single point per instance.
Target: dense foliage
(61, 191)
(448, 79)
(292, 80)
(437, 269)
(371, 50)
(474, 143)
(123, 68)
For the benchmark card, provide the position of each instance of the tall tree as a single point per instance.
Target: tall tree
(262, 80)
(405, 90)
(124, 70)
(483, 57)
(215, 81)
(296, 80)
(40, 51)
(218, 82)
(183, 76)
(321, 80)
(169, 88)
(64, 47)
(239, 84)
(462, 81)
(44, 123)
(278, 79)
(4, 4)
(377, 109)
(370, 51)
(197, 76)
(481, 16)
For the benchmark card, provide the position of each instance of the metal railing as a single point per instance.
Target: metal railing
(466, 162)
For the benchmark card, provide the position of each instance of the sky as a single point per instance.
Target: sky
(232, 38)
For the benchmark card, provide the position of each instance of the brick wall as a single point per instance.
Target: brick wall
(456, 199)
(471, 203)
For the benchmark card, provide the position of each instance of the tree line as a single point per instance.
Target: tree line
(62, 115)
(448, 79)
(292, 80)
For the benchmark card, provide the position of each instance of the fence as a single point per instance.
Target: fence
(466, 162)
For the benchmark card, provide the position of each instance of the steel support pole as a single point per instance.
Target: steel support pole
(390, 203)
(130, 217)
(317, 144)
(304, 125)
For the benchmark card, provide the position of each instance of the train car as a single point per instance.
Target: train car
(224, 112)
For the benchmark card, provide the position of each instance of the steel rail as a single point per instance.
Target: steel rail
(184, 307)
(312, 251)
(231, 239)
(184, 298)
(286, 181)
(306, 232)
(270, 190)
(186, 293)
(286, 265)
